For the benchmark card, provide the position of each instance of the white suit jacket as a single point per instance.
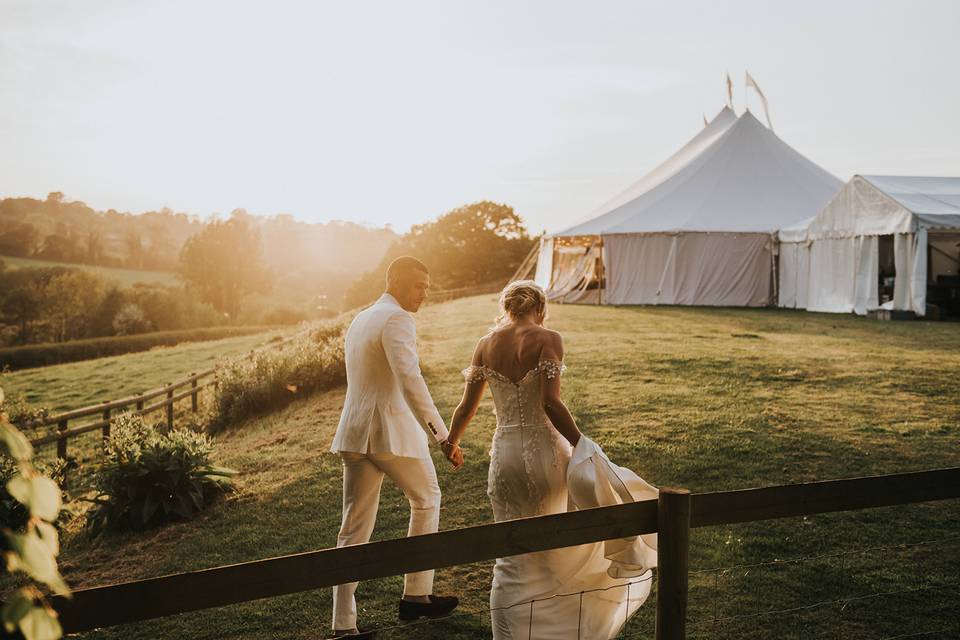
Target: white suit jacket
(388, 408)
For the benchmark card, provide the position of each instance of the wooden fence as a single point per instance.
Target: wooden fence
(672, 516)
(164, 398)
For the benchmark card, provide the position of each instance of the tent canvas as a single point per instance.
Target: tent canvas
(699, 229)
(917, 213)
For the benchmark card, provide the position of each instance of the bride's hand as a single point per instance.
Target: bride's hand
(453, 453)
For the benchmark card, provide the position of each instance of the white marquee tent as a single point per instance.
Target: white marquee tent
(877, 229)
(700, 229)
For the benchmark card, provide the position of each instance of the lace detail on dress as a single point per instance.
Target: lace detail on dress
(551, 368)
(477, 372)
(474, 373)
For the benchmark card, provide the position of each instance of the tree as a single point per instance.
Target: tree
(480, 243)
(134, 250)
(70, 303)
(59, 248)
(22, 306)
(102, 321)
(223, 263)
(130, 320)
(19, 241)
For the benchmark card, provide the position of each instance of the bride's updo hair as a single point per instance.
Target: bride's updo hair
(519, 298)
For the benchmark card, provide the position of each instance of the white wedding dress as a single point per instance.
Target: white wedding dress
(562, 593)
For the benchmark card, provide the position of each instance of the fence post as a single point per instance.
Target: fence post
(139, 402)
(106, 419)
(169, 407)
(673, 542)
(194, 403)
(62, 442)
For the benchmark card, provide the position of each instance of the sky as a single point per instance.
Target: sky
(396, 112)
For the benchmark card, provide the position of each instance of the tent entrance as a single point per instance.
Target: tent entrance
(577, 270)
(943, 267)
(886, 268)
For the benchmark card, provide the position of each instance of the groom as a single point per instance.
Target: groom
(387, 421)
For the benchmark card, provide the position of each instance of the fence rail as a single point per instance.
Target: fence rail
(672, 515)
(171, 393)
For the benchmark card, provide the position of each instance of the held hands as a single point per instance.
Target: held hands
(453, 453)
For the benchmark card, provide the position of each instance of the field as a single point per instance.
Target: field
(703, 399)
(78, 384)
(124, 277)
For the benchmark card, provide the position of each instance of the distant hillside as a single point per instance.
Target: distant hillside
(124, 277)
(318, 256)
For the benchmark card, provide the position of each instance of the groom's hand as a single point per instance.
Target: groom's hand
(453, 453)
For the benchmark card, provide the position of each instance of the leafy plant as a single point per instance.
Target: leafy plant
(272, 378)
(33, 549)
(149, 477)
(13, 514)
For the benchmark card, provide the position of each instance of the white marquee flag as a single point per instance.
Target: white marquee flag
(753, 83)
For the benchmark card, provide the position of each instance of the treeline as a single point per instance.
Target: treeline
(61, 231)
(318, 257)
(58, 304)
(477, 244)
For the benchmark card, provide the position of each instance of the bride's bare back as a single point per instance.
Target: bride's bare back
(516, 349)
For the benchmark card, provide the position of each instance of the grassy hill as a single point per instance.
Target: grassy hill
(78, 384)
(124, 277)
(706, 399)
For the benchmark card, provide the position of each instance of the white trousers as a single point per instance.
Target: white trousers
(362, 477)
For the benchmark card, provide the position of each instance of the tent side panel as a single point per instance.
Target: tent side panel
(708, 269)
(544, 263)
(723, 270)
(833, 264)
(636, 267)
(789, 267)
(803, 274)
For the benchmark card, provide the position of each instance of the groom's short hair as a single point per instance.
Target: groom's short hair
(403, 266)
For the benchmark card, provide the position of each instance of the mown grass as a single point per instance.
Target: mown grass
(78, 384)
(702, 398)
(124, 277)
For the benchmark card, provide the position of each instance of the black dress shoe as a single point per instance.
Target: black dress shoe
(361, 634)
(438, 607)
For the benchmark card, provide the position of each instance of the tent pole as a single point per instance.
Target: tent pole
(774, 254)
(602, 277)
(528, 262)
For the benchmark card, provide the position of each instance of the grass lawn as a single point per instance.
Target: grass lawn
(125, 277)
(79, 384)
(706, 399)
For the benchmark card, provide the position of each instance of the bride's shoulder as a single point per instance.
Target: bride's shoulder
(549, 336)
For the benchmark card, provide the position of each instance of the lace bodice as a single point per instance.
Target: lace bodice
(517, 403)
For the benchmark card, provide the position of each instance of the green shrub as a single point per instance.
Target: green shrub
(22, 414)
(41, 355)
(272, 378)
(149, 477)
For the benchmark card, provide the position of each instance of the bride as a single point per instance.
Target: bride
(538, 453)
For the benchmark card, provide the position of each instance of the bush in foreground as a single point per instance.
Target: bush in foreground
(30, 550)
(149, 477)
(272, 378)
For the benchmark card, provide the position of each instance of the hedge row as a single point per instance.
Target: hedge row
(41, 355)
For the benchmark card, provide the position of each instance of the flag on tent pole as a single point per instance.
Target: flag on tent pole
(729, 92)
(753, 83)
